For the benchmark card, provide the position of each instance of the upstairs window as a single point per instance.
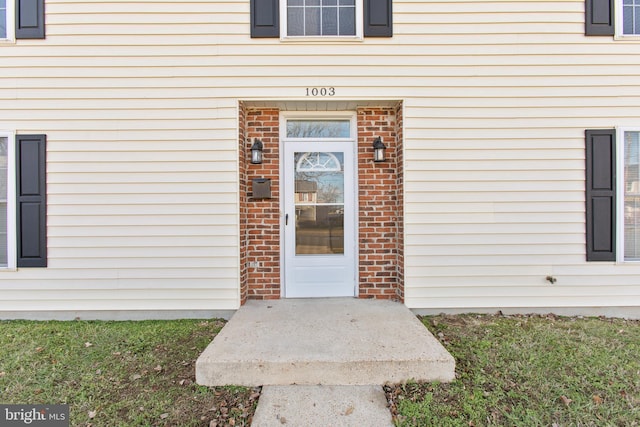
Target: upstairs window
(619, 18)
(311, 18)
(21, 19)
(6, 20)
(304, 19)
(630, 17)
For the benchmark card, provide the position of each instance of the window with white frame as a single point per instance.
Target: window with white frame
(21, 20)
(322, 18)
(4, 19)
(344, 20)
(629, 17)
(7, 218)
(630, 196)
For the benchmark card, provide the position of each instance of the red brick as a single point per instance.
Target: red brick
(380, 200)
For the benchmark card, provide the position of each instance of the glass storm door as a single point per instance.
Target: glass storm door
(319, 217)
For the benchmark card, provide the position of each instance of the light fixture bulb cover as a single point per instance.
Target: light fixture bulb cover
(256, 152)
(379, 150)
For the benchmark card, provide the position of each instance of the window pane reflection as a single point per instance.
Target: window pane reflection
(4, 162)
(3, 19)
(319, 230)
(318, 129)
(631, 196)
(319, 203)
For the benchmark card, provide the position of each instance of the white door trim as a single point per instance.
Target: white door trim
(353, 141)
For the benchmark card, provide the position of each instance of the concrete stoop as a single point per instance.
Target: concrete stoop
(333, 341)
(322, 362)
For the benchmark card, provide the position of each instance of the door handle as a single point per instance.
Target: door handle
(286, 219)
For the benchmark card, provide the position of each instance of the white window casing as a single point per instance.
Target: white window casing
(628, 194)
(8, 23)
(627, 11)
(285, 25)
(8, 241)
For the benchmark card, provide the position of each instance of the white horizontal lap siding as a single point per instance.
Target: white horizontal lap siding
(494, 160)
(160, 202)
(155, 217)
(141, 161)
(139, 100)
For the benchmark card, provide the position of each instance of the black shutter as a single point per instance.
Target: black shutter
(601, 194)
(31, 195)
(265, 18)
(29, 19)
(599, 19)
(378, 18)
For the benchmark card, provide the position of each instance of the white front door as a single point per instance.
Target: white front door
(319, 207)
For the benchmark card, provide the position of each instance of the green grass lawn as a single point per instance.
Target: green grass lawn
(529, 371)
(512, 371)
(118, 373)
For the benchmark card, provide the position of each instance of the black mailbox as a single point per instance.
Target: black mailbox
(261, 188)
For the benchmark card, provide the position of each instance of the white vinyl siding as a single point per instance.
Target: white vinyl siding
(139, 104)
(141, 163)
(494, 169)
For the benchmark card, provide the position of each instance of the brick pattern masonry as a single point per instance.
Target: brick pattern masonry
(380, 216)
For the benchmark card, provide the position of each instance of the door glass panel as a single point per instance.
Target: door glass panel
(319, 203)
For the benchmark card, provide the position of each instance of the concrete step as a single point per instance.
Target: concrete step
(334, 341)
(322, 406)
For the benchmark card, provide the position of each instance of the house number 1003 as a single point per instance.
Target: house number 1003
(321, 91)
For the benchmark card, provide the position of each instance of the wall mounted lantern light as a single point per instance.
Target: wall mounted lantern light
(378, 150)
(256, 152)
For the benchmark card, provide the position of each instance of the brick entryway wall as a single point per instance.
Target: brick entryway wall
(380, 216)
(380, 200)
